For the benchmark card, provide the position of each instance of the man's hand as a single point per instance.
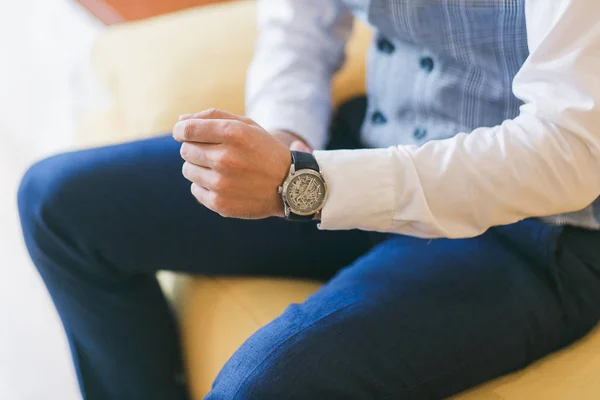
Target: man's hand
(234, 165)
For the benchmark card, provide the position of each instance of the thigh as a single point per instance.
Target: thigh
(130, 206)
(411, 319)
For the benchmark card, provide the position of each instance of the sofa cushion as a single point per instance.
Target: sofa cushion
(219, 314)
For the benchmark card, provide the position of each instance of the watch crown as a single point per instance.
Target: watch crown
(279, 189)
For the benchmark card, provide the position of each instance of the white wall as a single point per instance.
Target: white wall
(45, 83)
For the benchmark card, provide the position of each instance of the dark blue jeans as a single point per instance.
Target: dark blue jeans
(399, 317)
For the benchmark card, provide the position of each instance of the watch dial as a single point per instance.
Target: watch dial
(305, 193)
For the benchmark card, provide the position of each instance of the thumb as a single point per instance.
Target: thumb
(299, 145)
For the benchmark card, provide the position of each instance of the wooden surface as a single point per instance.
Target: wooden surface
(115, 11)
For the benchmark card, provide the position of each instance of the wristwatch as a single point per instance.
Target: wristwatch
(304, 190)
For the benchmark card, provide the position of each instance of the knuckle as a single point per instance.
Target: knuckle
(216, 202)
(209, 113)
(195, 192)
(247, 120)
(225, 212)
(227, 128)
(212, 111)
(232, 129)
(226, 161)
(221, 205)
(189, 130)
(219, 183)
(184, 150)
(225, 215)
(185, 170)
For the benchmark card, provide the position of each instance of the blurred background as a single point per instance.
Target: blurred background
(46, 84)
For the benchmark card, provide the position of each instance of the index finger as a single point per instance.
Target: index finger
(215, 113)
(200, 131)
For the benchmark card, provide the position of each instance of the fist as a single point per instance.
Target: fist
(234, 165)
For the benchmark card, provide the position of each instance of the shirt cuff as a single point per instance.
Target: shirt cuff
(361, 189)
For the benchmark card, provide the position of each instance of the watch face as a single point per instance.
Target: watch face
(305, 193)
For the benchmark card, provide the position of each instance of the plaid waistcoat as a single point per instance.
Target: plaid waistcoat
(440, 67)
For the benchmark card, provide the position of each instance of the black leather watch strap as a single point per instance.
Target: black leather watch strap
(303, 161)
(299, 218)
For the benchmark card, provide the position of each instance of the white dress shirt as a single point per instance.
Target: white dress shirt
(543, 162)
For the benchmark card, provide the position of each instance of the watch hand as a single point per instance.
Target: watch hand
(306, 191)
(303, 192)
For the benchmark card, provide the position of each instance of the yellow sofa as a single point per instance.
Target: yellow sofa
(158, 69)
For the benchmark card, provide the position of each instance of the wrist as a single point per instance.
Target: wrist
(317, 216)
(279, 206)
(288, 137)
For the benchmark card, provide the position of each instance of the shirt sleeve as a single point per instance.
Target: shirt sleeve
(546, 161)
(300, 46)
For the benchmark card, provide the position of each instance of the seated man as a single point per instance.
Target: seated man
(451, 258)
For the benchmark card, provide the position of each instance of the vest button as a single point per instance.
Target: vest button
(420, 133)
(378, 118)
(385, 46)
(427, 64)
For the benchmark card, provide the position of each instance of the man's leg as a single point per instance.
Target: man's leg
(99, 223)
(426, 319)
